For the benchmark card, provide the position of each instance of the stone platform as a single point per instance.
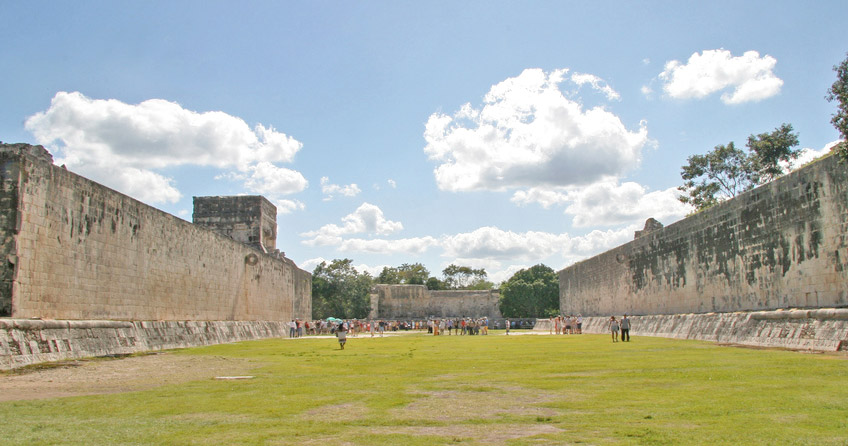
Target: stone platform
(26, 341)
(798, 329)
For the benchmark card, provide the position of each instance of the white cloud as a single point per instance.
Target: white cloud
(392, 183)
(268, 179)
(496, 244)
(330, 190)
(289, 206)
(808, 154)
(546, 197)
(610, 203)
(415, 245)
(121, 145)
(367, 218)
(529, 134)
(596, 83)
(750, 77)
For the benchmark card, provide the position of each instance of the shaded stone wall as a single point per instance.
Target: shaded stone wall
(78, 250)
(417, 302)
(782, 245)
(249, 219)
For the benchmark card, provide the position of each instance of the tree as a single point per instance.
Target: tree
(338, 290)
(768, 150)
(722, 173)
(463, 277)
(414, 274)
(726, 171)
(839, 92)
(532, 292)
(434, 283)
(389, 276)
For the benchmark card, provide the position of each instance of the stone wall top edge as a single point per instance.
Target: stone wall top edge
(60, 171)
(707, 214)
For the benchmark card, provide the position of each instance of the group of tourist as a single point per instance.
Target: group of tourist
(566, 324)
(462, 326)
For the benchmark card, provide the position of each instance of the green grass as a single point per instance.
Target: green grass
(472, 390)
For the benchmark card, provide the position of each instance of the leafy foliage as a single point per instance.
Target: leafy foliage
(727, 171)
(839, 92)
(464, 278)
(338, 290)
(409, 274)
(532, 292)
(768, 150)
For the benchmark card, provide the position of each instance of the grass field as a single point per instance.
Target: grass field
(471, 390)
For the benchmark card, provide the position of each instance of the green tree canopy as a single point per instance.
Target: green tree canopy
(408, 274)
(338, 290)
(531, 292)
(727, 171)
(464, 277)
(839, 92)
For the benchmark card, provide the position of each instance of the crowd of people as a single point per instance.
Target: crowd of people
(566, 324)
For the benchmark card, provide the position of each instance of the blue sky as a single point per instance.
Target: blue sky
(489, 134)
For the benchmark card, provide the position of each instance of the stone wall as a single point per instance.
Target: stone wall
(249, 219)
(417, 302)
(820, 329)
(782, 245)
(74, 249)
(25, 342)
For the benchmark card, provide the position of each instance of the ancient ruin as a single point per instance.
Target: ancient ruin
(733, 272)
(91, 271)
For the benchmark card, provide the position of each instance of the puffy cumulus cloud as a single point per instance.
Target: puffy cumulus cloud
(609, 203)
(529, 134)
(808, 154)
(491, 243)
(289, 206)
(749, 77)
(415, 245)
(268, 179)
(123, 144)
(596, 83)
(330, 190)
(367, 218)
(543, 196)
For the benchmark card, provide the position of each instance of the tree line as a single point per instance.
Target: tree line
(339, 290)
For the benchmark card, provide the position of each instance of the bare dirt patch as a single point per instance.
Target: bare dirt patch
(102, 376)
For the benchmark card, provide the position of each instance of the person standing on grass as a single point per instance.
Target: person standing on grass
(613, 328)
(625, 329)
(507, 327)
(579, 324)
(341, 333)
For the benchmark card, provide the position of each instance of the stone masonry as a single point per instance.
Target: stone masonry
(782, 245)
(74, 249)
(417, 302)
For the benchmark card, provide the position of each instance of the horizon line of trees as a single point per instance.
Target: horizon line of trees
(339, 290)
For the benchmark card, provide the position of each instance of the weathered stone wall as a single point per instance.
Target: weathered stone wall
(249, 219)
(782, 245)
(820, 329)
(24, 342)
(78, 250)
(417, 302)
